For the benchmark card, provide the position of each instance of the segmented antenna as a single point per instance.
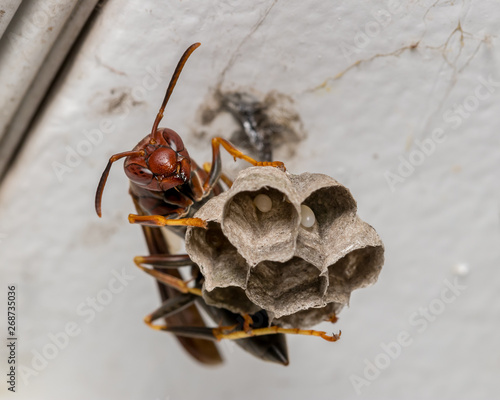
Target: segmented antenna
(171, 86)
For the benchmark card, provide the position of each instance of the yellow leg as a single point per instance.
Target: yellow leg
(148, 319)
(167, 279)
(158, 220)
(248, 321)
(333, 318)
(219, 333)
(217, 141)
(149, 322)
(208, 166)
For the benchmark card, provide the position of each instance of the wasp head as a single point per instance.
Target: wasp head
(160, 163)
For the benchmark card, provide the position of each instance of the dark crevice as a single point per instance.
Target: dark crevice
(62, 70)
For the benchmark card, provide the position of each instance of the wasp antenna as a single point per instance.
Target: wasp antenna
(171, 85)
(104, 177)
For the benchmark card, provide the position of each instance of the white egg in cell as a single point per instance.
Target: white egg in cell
(307, 216)
(263, 203)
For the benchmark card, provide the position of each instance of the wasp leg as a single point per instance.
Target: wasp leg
(228, 181)
(247, 322)
(165, 261)
(270, 348)
(228, 332)
(216, 169)
(159, 220)
(168, 308)
(333, 318)
(167, 279)
(220, 333)
(218, 141)
(175, 305)
(196, 332)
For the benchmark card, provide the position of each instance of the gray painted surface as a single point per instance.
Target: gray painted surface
(440, 223)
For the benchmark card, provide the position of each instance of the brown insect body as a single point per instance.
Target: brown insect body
(167, 188)
(164, 180)
(166, 183)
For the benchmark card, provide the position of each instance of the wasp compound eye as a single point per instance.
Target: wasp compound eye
(138, 174)
(163, 161)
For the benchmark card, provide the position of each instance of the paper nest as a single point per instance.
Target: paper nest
(253, 260)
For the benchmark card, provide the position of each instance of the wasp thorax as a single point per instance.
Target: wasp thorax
(288, 244)
(163, 161)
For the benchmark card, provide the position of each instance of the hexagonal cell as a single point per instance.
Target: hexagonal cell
(334, 208)
(219, 261)
(329, 196)
(328, 205)
(260, 257)
(231, 298)
(357, 269)
(286, 288)
(310, 317)
(261, 235)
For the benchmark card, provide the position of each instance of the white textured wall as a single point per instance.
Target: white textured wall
(368, 92)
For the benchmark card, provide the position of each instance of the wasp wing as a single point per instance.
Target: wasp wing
(202, 350)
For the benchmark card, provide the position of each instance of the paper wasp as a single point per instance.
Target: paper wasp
(167, 188)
